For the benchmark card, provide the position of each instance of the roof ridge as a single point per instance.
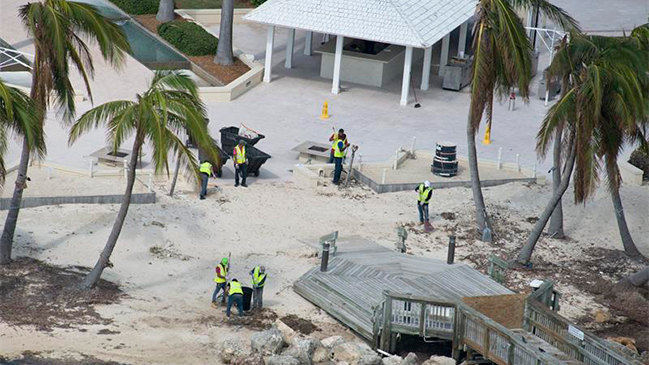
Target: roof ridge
(407, 21)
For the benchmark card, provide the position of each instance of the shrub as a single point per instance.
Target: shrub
(189, 38)
(256, 3)
(137, 7)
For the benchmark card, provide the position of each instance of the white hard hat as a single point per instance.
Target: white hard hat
(427, 184)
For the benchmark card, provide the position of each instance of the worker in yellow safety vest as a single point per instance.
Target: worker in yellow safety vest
(235, 297)
(258, 281)
(335, 137)
(206, 171)
(220, 279)
(425, 192)
(339, 155)
(240, 159)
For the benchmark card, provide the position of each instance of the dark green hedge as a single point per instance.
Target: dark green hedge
(256, 3)
(137, 7)
(189, 38)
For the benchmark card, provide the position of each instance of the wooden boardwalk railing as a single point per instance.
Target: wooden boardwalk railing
(547, 338)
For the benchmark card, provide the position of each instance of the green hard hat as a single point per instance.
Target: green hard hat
(224, 261)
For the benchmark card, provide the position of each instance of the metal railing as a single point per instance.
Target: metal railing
(11, 57)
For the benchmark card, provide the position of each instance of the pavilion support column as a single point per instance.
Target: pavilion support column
(425, 72)
(443, 58)
(337, 61)
(308, 43)
(461, 47)
(290, 45)
(268, 66)
(405, 85)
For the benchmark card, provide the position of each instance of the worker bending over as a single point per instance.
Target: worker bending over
(240, 159)
(206, 171)
(425, 193)
(220, 279)
(258, 281)
(235, 297)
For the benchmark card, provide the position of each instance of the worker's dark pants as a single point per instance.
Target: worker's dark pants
(204, 179)
(236, 299)
(258, 297)
(423, 212)
(219, 286)
(243, 170)
(338, 169)
(331, 156)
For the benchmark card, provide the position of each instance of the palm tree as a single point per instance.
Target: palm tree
(59, 30)
(159, 116)
(502, 60)
(600, 110)
(166, 11)
(224, 54)
(18, 116)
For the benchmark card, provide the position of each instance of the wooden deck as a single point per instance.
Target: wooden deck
(361, 271)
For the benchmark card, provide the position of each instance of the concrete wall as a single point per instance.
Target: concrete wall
(631, 175)
(31, 202)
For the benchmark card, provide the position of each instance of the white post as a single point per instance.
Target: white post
(290, 44)
(518, 162)
(91, 167)
(500, 158)
(412, 148)
(396, 161)
(337, 61)
(268, 66)
(443, 58)
(425, 72)
(385, 171)
(547, 84)
(360, 162)
(405, 85)
(150, 182)
(308, 43)
(125, 169)
(49, 173)
(534, 170)
(461, 46)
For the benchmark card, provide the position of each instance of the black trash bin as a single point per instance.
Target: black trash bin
(247, 298)
(218, 167)
(230, 137)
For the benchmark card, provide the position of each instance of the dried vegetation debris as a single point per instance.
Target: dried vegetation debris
(33, 293)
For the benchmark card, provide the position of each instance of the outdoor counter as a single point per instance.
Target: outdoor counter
(361, 68)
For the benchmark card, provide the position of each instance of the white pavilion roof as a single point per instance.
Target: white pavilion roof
(416, 23)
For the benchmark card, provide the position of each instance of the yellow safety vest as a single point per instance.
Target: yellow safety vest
(337, 151)
(224, 272)
(334, 145)
(206, 167)
(256, 278)
(423, 193)
(241, 154)
(235, 288)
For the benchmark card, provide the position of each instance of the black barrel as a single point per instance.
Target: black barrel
(446, 151)
(444, 168)
(230, 137)
(247, 298)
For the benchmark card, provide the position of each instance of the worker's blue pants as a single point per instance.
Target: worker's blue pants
(219, 286)
(338, 169)
(423, 212)
(204, 178)
(236, 299)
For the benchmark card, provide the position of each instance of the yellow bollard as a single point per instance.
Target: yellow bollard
(487, 134)
(325, 111)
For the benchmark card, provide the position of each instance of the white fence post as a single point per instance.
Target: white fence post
(396, 160)
(534, 170)
(91, 167)
(500, 158)
(125, 169)
(385, 171)
(518, 162)
(412, 148)
(150, 182)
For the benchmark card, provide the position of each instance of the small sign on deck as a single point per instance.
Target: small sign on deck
(575, 332)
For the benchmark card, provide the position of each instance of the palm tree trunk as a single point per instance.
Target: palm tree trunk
(637, 279)
(224, 54)
(7, 239)
(526, 252)
(173, 182)
(475, 177)
(556, 221)
(627, 241)
(165, 11)
(93, 277)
